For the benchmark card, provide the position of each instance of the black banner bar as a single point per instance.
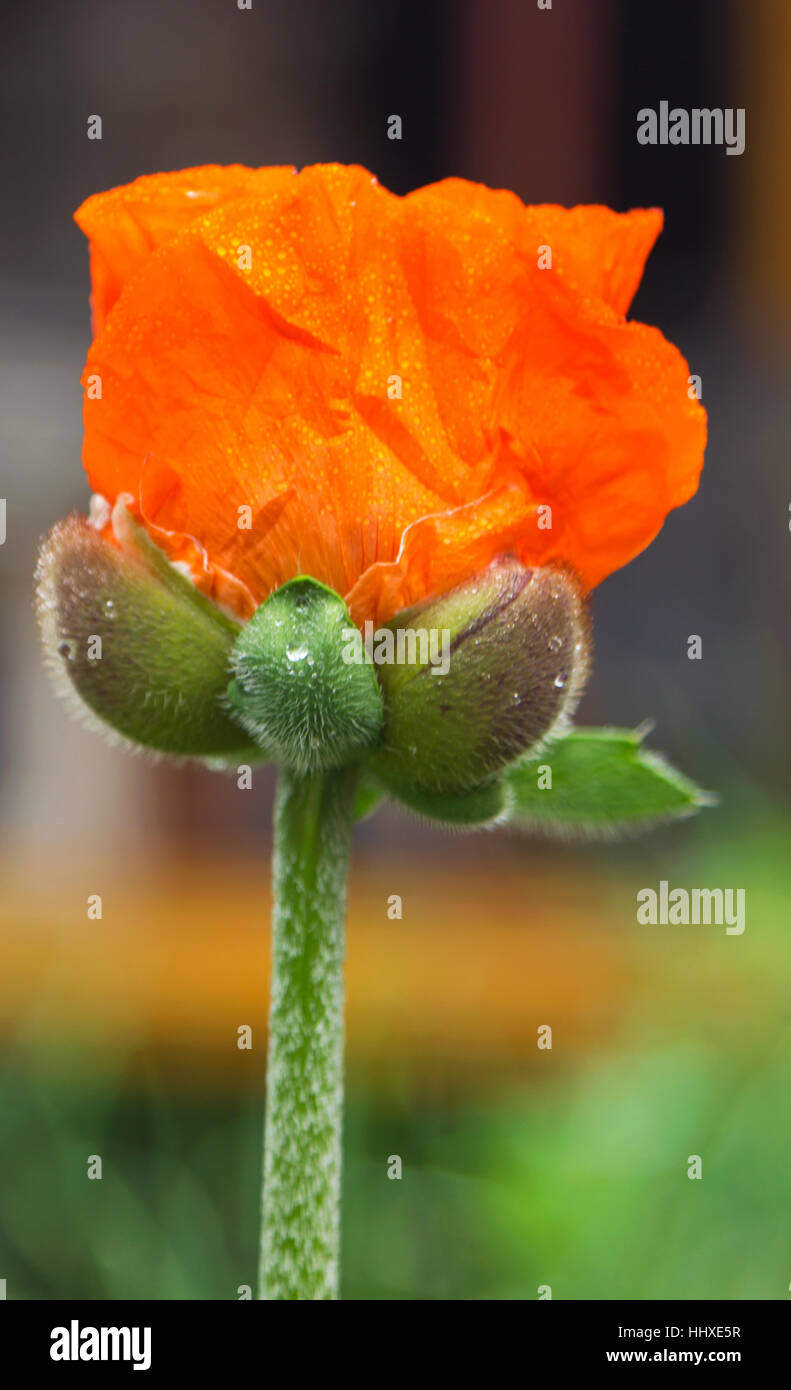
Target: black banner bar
(133, 1340)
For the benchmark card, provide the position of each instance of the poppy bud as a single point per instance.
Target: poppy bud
(304, 688)
(145, 652)
(491, 667)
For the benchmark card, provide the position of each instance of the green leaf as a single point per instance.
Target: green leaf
(602, 781)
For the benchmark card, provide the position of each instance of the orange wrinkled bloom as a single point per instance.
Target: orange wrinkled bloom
(305, 374)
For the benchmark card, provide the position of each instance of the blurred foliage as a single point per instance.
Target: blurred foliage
(520, 1168)
(582, 1186)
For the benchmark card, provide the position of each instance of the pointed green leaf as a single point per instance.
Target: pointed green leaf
(598, 782)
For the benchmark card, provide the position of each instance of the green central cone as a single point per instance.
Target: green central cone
(304, 688)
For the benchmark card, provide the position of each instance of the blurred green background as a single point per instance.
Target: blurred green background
(521, 1167)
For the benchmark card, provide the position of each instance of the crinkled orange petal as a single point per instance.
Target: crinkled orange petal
(600, 252)
(386, 393)
(125, 224)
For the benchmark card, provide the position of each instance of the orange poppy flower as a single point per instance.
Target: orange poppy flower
(303, 373)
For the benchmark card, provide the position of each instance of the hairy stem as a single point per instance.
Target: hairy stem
(300, 1233)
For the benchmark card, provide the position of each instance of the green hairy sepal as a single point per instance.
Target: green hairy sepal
(133, 647)
(482, 737)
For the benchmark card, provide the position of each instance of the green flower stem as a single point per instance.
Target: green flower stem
(300, 1234)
